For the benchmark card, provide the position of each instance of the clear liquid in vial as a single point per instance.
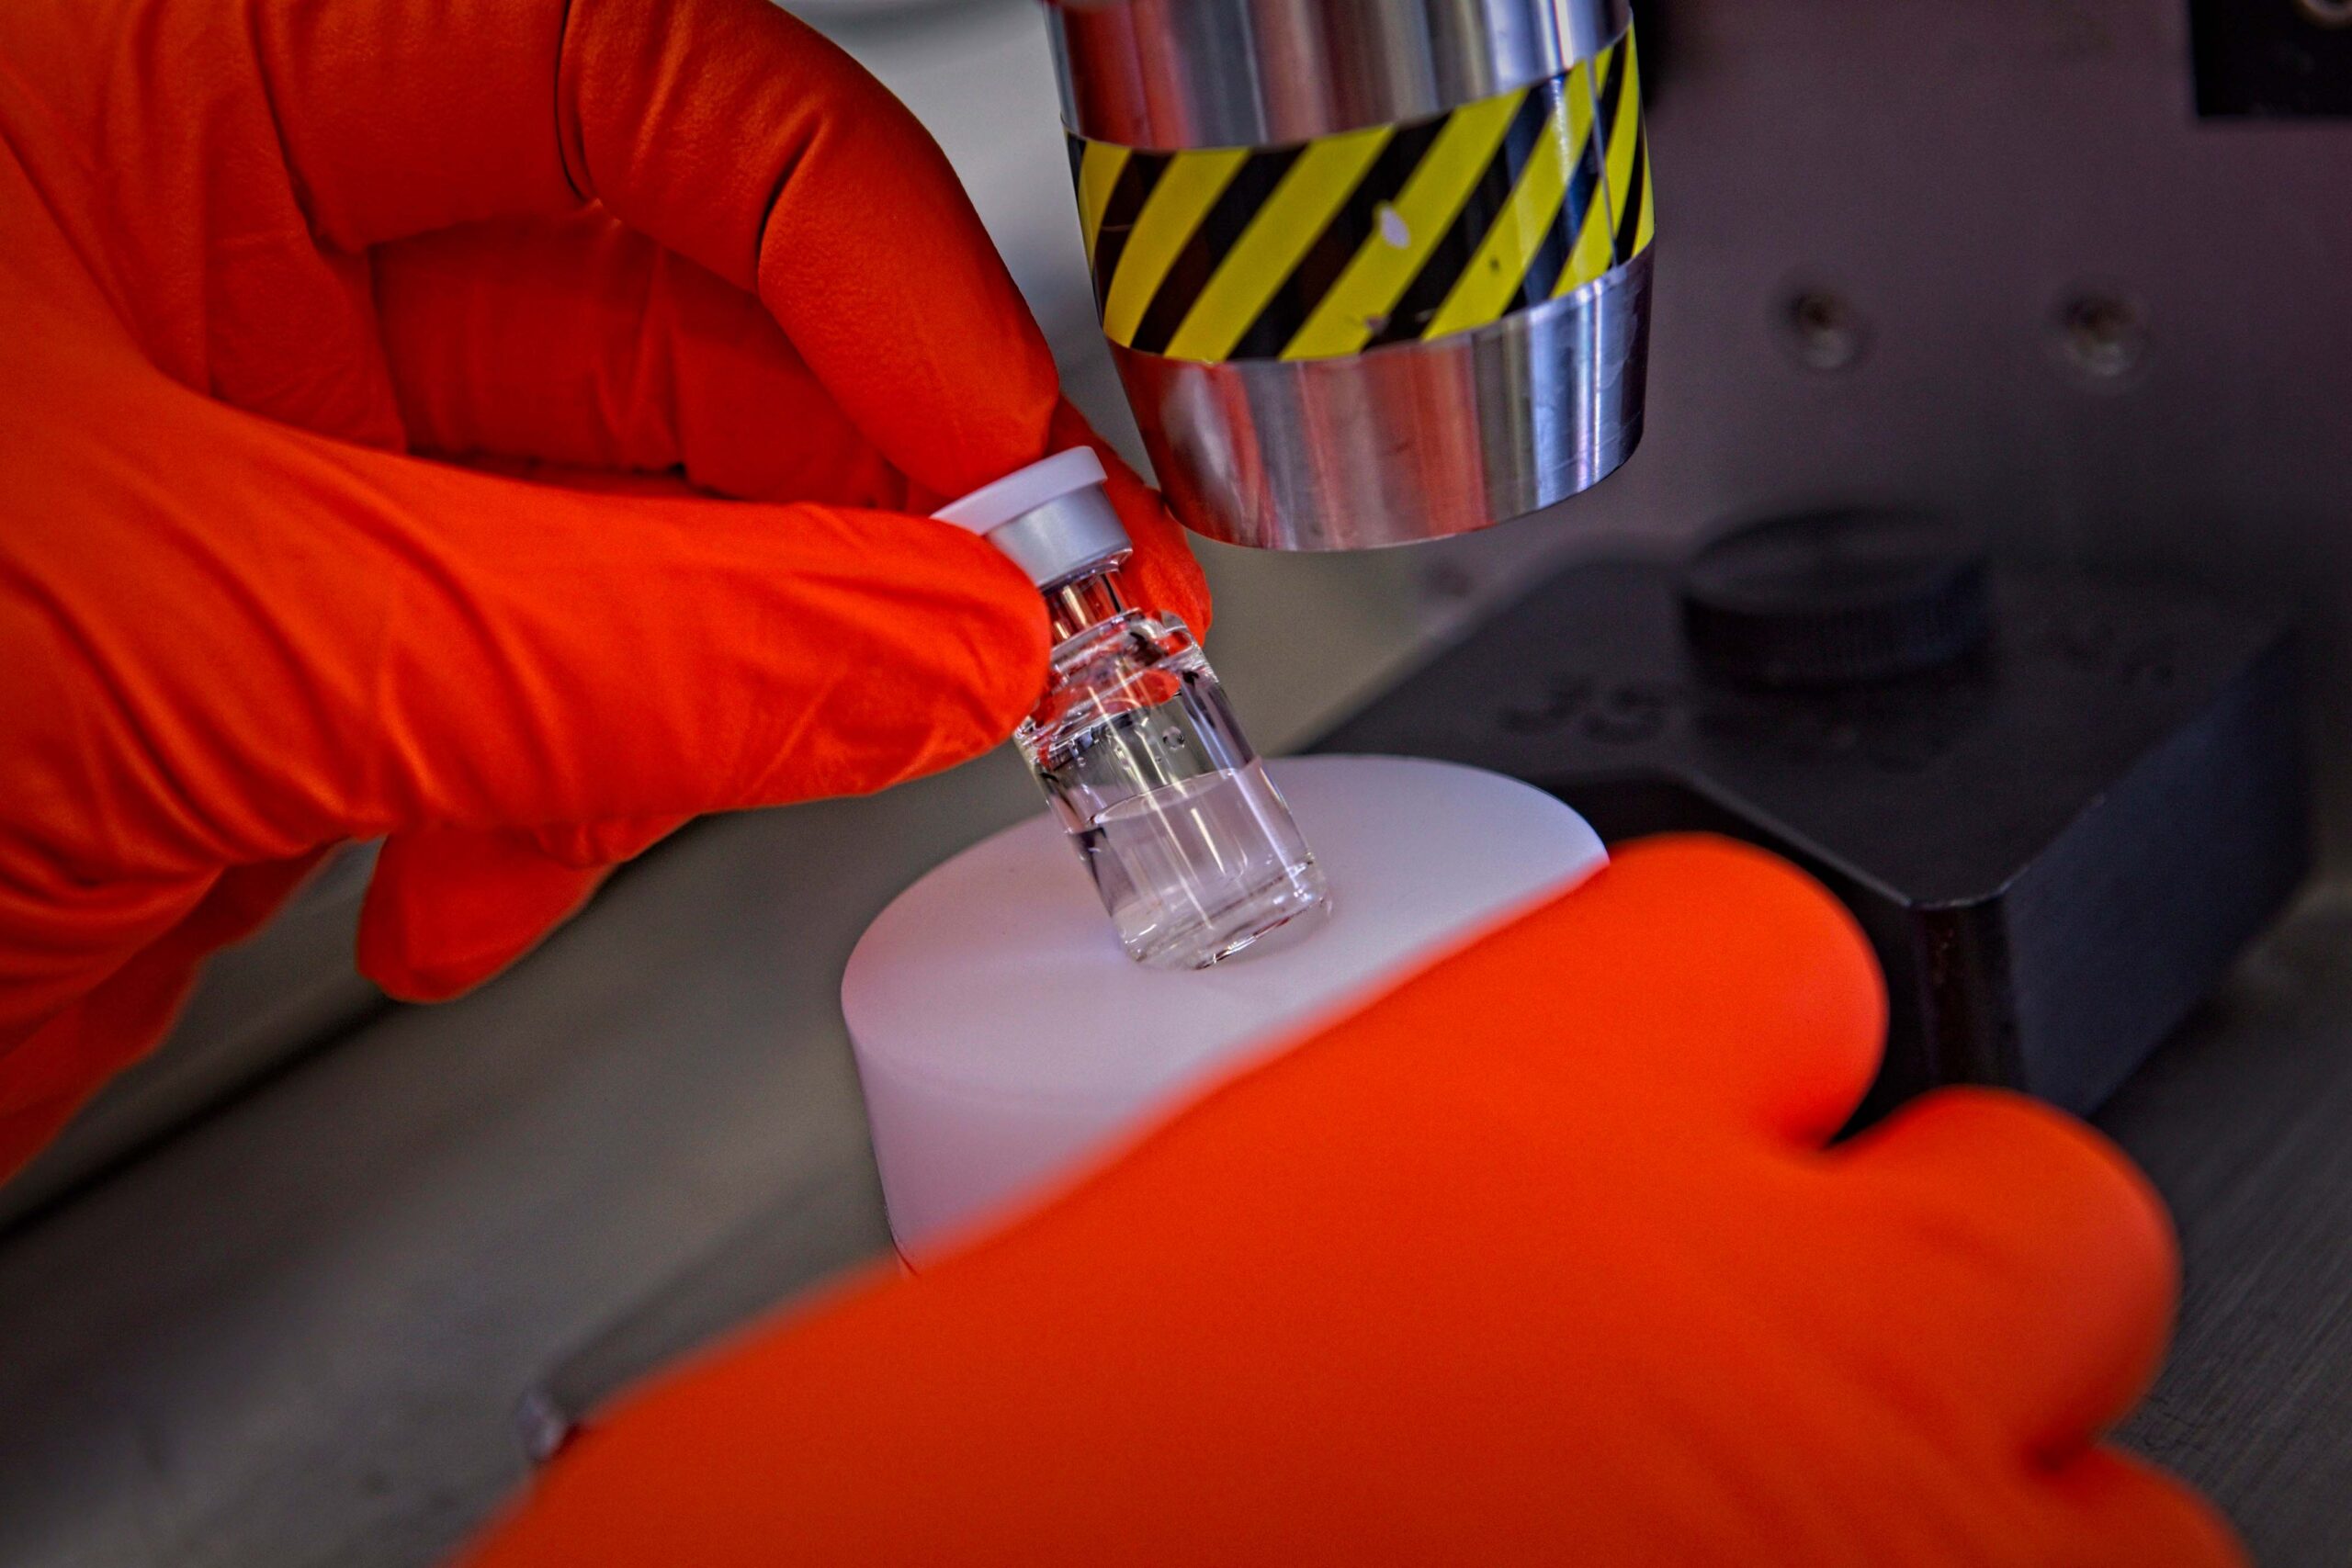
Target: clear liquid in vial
(1197, 869)
(1191, 849)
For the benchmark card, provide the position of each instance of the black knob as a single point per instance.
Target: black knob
(1835, 598)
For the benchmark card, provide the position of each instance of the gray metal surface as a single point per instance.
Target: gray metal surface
(2242, 1123)
(828, 1220)
(1405, 443)
(1171, 73)
(264, 1001)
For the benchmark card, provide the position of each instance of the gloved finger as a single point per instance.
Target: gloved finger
(444, 649)
(2051, 1300)
(606, 657)
(1702, 974)
(448, 907)
(447, 910)
(729, 132)
(50, 1073)
(578, 340)
(671, 486)
(1164, 572)
(2115, 1511)
(62, 934)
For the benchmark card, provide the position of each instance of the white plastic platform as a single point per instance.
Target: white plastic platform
(1003, 1036)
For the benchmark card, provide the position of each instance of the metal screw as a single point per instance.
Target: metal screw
(1824, 329)
(2103, 336)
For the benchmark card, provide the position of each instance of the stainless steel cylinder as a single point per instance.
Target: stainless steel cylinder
(1373, 271)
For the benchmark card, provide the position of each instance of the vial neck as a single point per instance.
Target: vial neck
(1087, 601)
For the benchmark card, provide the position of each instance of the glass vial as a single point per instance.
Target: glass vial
(1191, 848)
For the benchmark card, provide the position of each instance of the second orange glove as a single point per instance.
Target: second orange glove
(1538, 1259)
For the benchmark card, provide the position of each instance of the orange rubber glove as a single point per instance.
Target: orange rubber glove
(256, 255)
(1537, 1258)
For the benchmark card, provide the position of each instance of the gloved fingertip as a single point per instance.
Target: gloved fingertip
(911, 646)
(1164, 572)
(2034, 1208)
(1726, 972)
(446, 909)
(2129, 1511)
(1170, 579)
(1013, 666)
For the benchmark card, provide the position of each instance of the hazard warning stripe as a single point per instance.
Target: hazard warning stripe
(1275, 239)
(1646, 229)
(1329, 254)
(1403, 232)
(1124, 189)
(1491, 283)
(1414, 312)
(1163, 234)
(1389, 234)
(1095, 168)
(1620, 110)
(1587, 231)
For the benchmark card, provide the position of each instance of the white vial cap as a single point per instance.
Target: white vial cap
(1052, 518)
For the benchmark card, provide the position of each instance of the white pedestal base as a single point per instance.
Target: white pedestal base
(1003, 1037)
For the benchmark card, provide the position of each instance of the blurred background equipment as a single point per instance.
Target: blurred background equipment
(2060, 808)
(2069, 272)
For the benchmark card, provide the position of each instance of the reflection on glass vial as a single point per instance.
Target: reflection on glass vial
(1191, 846)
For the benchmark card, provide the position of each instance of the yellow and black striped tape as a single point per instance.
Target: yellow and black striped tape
(1400, 232)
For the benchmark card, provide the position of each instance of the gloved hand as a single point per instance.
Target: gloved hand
(630, 255)
(1538, 1258)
